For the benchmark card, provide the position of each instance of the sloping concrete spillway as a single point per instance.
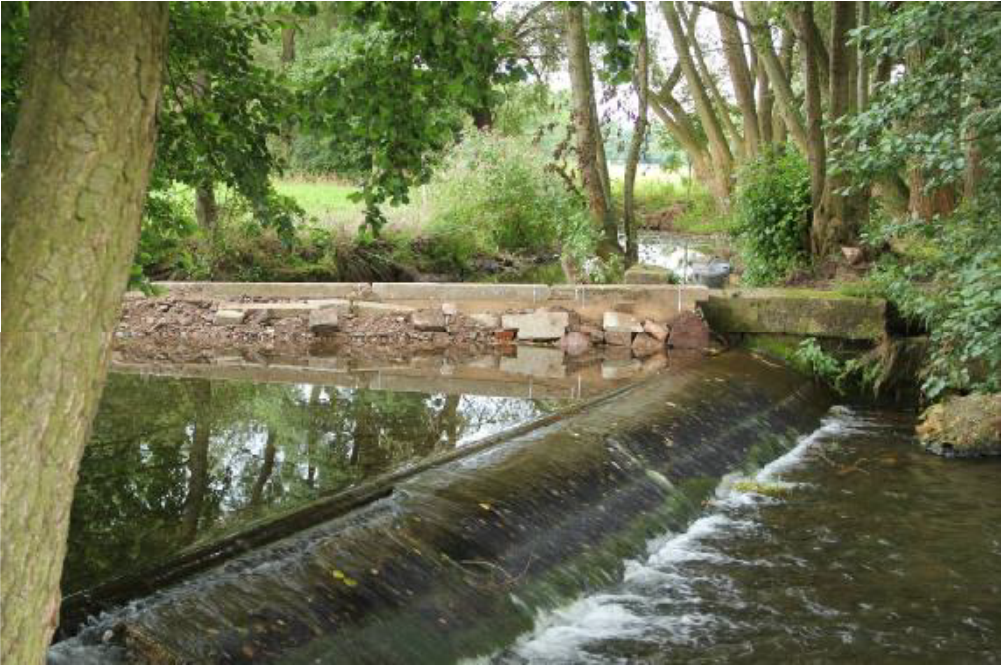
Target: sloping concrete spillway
(456, 560)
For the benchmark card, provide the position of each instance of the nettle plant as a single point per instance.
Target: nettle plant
(771, 215)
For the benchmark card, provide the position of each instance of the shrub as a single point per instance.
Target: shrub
(771, 215)
(494, 193)
(950, 280)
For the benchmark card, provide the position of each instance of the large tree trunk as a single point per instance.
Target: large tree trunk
(836, 220)
(586, 127)
(72, 199)
(817, 153)
(642, 85)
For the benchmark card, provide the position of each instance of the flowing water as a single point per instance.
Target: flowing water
(713, 513)
(855, 547)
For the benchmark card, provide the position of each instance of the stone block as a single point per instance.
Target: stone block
(656, 330)
(689, 331)
(324, 321)
(620, 322)
(619, 338)
(428, 320)
(536, 361)
(486, 320)
(364, 308)
(229, 317)
(575, 343)
(540, 325)
(646, 345)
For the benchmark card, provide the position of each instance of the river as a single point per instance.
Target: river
(720, 512)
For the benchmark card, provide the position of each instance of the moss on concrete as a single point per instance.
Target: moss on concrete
(801, 312)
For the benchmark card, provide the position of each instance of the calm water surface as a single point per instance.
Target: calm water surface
(856, 547)
(176, 462)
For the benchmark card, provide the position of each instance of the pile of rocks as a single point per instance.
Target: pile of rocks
(617, 329)
(363, 322)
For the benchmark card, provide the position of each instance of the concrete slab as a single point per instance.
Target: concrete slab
(795, 312)
(365, 308)
(538, 325)
(620, 322)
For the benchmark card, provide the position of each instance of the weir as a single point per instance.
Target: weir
(455, 561)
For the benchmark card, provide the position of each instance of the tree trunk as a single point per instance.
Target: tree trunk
(206, 208)
(636, 145)
(72, 199)
(740, 75)
(198, 462)
(586, 128)
(267, 468)
(925, 203)
(718, 147)
(836, 220)
(642, 85)
(802, 15)
(777, 74)
(288, 45)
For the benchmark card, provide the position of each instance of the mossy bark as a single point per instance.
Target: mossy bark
(72, 198)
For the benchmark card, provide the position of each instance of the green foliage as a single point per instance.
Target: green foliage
(948, 95)
(167, 223)
(494, 193)
(859, 372)
(953, 287)
(221, 107)
(392, 99)
(771, 211)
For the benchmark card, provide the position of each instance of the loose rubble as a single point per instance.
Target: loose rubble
(158, 323)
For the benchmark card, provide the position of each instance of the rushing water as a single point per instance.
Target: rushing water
(854, 547)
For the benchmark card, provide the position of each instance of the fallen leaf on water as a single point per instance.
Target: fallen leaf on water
(485, 506)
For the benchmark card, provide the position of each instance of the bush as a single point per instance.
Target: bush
(494, 194)
(771, 215)
(949, 279)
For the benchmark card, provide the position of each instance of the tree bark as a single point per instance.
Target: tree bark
(72, 199)
(267, 468)
(836, 220)
(206, 208)
(288, 45)
(777, 75)
(802, 15)
(642, 85)
(586, 128)
(740, 75)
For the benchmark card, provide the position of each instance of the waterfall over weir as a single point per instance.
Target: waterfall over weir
(455, 561)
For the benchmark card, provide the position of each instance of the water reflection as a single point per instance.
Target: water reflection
(174, 462)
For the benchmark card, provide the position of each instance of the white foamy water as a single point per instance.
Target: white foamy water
(660, 600)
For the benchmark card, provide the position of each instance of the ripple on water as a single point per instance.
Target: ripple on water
(851, 562)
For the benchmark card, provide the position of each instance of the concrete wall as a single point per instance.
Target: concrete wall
(801, 312)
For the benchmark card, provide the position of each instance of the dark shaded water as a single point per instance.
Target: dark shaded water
(176, 462)
(861, 549)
